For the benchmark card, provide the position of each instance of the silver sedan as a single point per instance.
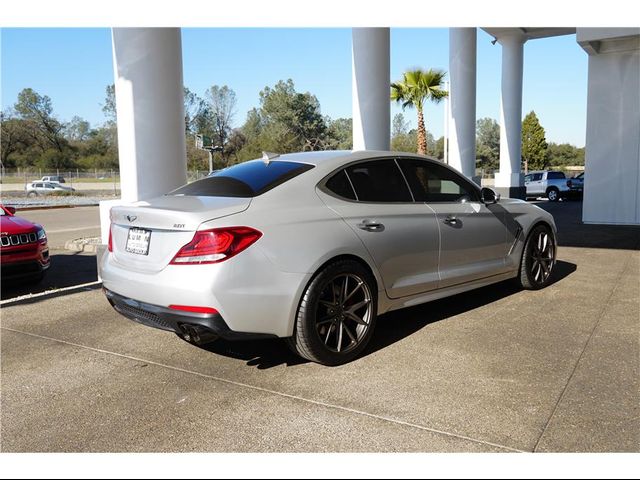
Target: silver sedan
(312, 247)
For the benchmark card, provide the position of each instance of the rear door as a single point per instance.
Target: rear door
(400, 235)
(473, 236)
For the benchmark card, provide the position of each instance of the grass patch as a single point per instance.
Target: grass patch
(65, 194)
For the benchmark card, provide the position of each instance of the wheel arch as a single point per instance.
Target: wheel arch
(532, 227)
(322, 264)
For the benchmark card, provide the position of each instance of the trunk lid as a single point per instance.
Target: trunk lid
(170, 221)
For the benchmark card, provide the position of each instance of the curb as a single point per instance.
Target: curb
(77, 246)
(51, 207)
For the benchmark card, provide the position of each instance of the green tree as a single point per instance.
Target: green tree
(564, 154)
(339, 134)
(293, 117)
(416, 87)
(37, 110)
(109, 105)
(439, 149)
(399, 126)
(405, 140)
(14, 137)
(534, 144)
(488, 143)
(288, 121)
(77, 130)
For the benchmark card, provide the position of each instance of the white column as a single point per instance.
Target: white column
(150, 107)
(510, 179)
(371, 89)
(612, 149)
(147, 64)
(462, 121)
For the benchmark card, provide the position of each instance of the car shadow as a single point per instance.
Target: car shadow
(261, 354)
(390, 328)
(66, 270)
(399, 324)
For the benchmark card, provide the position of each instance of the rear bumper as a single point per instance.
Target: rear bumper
(176, 321)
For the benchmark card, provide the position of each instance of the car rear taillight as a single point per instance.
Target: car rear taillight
(216, 245)
(110, 240)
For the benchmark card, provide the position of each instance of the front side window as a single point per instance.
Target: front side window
(536, 177)
(431, 182)
(527, 178)
(248, 179)
(379, 181)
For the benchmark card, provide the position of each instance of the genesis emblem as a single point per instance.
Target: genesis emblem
(131, 218)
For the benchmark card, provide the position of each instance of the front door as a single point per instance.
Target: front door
(473, 236)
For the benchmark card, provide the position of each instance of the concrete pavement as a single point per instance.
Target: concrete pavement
(497, 369)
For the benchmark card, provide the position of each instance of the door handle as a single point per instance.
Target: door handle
(450, 220)
(370, 226)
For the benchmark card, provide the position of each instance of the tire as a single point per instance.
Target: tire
(330, 328)
(553, 194)
(32, 194)
(538, 259)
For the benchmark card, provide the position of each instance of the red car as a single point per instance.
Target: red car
(24, 252)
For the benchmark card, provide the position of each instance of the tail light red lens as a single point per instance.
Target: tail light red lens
(110, 246)
(216, 245)
(189, 308)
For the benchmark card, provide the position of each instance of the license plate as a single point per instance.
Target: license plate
(138, 241)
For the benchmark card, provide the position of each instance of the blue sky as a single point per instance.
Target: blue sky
(74, 65)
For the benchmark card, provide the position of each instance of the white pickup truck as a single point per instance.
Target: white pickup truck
(549, 183)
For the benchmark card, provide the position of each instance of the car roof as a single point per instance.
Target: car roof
(333, 158)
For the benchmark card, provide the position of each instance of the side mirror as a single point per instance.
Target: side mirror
(488, 196)
(11, 210)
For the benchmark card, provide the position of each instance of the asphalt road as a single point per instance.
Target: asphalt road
(62, 224)
(497, 369)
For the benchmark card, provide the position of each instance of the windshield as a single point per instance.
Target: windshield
(248, 179)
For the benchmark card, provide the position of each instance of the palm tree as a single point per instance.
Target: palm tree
(415, 87)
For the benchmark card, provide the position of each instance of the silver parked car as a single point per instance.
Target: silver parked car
(314, 246)
(45, 188)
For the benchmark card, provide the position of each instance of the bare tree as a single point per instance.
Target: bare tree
(220, 107)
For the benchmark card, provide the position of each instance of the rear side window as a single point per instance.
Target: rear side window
(248, 179)
(555, 176)
(379, 181)
(341, 186)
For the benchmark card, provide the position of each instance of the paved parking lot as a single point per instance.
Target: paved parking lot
(497, 369)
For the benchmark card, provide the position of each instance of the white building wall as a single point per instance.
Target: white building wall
(612, 153)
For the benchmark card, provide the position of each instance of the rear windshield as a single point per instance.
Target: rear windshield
(248, 179)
